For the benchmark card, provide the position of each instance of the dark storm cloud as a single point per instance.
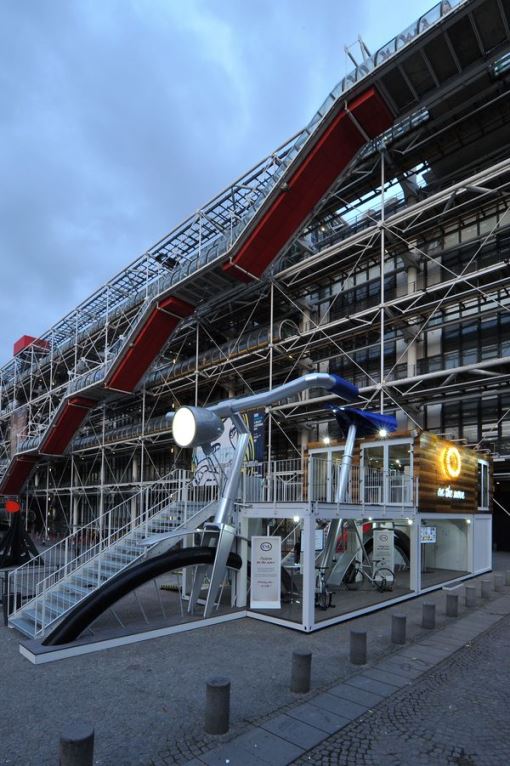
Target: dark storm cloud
(119, 118)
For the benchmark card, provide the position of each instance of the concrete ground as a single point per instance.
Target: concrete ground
(146, 700)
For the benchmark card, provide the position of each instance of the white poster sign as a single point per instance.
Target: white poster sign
(266, 561)
(319, 540)
(428, 534)
(384, 548)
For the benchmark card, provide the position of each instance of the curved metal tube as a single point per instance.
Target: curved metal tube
(84, 613)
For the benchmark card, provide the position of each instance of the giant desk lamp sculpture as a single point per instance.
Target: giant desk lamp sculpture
(352, 423)
(200, 426)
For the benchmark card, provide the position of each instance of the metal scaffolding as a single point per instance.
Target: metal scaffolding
(407, 250)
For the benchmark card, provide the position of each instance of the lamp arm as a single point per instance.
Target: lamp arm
(327, 381)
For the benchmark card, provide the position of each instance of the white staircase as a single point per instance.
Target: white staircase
(48, 587)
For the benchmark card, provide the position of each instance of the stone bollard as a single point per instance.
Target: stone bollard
(301, 672)
(398, 628)
(452, 604)
(470, 592)
(358, 648)
(77, 745)
(217, 705)
(507, 577)
(429, 616)
(486, 588)
(499, 582)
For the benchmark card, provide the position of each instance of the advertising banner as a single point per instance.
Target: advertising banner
(266, 559)
(208, 473)
(384, 548)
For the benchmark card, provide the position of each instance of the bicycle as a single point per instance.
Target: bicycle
(380, 577)
(323, 596)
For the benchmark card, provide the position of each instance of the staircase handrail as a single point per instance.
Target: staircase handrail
(98, 522)
(100, 547)
(184, 526)
(61, 550)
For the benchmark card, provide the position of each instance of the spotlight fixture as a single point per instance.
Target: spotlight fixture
(195, 426)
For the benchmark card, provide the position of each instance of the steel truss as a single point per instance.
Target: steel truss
(381, 227)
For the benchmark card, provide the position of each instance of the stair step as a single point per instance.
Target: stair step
(120, 556)
(71, 587)
(36, 613)
(64, 599)
(23, 625)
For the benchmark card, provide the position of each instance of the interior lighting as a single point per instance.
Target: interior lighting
(383, 433)
(501, 65)
(195, 426)
(326, 440)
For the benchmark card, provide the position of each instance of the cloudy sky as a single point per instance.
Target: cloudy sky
(119, 118)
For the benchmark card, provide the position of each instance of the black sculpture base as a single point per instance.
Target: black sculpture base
(17, 547)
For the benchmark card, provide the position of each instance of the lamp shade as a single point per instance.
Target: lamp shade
(195, 426)
(367, 423)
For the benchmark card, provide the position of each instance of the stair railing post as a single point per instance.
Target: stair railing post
(185, 498)
(43, 616)
(9, 590)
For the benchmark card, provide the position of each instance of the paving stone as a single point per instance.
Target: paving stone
(426, 653)
(268, 747)
(360, 696)
(442, 641)
(371, 685)
(319, 717)
(387, 677)
(454, 715)
(234, 756)
(404, 666)
(339, 706)
(294, 731)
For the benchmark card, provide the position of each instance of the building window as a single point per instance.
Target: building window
(483, 486)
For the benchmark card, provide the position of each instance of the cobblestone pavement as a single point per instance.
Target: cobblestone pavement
(146, 700)
(456, 715)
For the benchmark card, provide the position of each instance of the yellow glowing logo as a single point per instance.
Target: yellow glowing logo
(451, 462)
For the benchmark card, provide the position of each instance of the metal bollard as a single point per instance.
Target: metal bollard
(486, 588)
(301, 672)
(217, 705)
(358, 647)
(77, 745)
(428, 619)
(452, 604)
(470, 592)
(398, 628)
(499, 582)
(507, 577)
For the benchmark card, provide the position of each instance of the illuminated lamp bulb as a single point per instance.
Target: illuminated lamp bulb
(295, 519)
(195, 426)
(383, 433)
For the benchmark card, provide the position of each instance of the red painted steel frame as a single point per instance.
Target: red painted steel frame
(333, 151)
